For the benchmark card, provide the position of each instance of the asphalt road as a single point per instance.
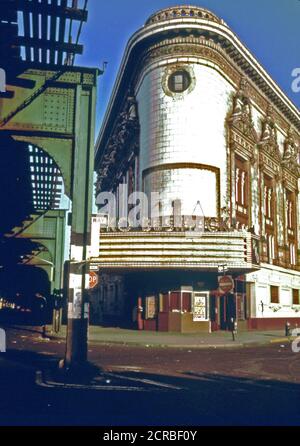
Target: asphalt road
(239, 386)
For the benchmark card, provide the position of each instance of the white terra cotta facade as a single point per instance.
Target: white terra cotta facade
(195, 118)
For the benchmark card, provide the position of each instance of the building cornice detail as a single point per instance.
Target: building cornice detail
(123, 136)
(211, 51)
(265, 90)
(183, 11)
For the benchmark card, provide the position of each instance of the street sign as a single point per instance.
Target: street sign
(222, 268)
(93, 279)
(226, 284)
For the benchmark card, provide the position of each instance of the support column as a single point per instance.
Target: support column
(78, 310)
(82, 198)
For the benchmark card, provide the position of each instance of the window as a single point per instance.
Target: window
(270, 247)
(274, 294)
(186, 302)
(290, 211)
(241, 187)
(164, 302)
(295, 296)
(269, 202)
(292, 254)
(175, 301)
(241, 191)
(241, 306)
(179, 81)
(289, 214)
(269, 215)
(291, 225)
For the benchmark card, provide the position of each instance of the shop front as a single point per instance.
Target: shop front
(182, 310)
(189, 309)
(170, 279)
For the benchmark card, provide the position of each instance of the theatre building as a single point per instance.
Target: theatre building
(196, 124)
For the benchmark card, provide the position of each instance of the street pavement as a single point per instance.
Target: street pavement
(249, 385)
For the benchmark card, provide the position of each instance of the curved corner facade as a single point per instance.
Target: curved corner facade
(182, 139)
(195, 122)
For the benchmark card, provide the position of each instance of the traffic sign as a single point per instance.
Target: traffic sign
(93, 279)
(226, 284)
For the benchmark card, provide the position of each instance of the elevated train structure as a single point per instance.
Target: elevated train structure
(47, 115)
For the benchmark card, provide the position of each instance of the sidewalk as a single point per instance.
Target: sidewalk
(114, 335)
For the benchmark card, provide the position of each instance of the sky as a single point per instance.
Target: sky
(269, 28)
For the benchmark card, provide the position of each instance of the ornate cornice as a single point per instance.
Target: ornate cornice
(212, 51)
(244, 136)
(183, 11)
(225, 48)
(190, 46)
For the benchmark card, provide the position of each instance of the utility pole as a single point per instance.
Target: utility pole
(78, 311)
(78, 279)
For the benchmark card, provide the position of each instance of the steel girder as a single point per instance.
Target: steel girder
(55, 111)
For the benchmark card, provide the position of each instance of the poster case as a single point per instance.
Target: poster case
(200, 306)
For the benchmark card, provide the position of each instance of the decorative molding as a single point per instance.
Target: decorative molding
(242, 135)
(240, 120)
(290, 155)
(207, 48)
(190, 46)
(268, 144)
(178, 12)
(123, 141)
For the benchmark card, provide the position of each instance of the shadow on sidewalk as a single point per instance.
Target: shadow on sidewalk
(204, 399)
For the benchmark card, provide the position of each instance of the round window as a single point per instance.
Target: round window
(179, 81)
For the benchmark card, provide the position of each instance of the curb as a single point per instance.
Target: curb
(235, 344)
(278, 340)
(130, 384)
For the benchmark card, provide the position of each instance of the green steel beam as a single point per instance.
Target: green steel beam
(48, 231)
(57, 115)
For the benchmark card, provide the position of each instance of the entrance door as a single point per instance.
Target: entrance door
(227, 311)
(214, 313)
